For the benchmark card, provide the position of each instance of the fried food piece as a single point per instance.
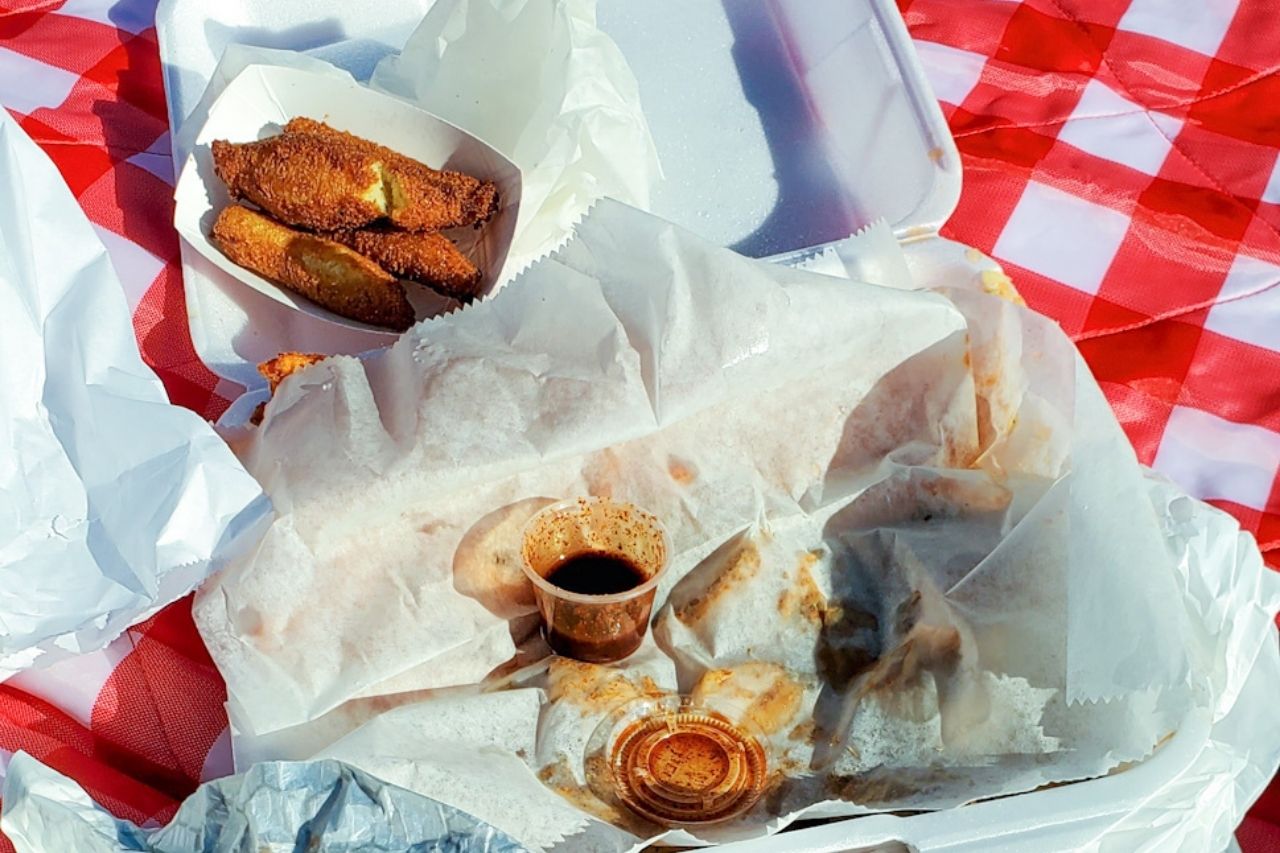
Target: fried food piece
(286, 364)
(425, 257)
(418, 197)
(328, 273)
(305, 181)
(279, 369)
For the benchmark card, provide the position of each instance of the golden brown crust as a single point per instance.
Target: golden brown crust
(429, 258)
(419, 198)
(304, 180)
(286, 364)
(328, 273)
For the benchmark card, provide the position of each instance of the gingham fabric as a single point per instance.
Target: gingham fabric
(1122, 160)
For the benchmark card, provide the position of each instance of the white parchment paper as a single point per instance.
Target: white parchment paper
(539, 81)
(927, 482)
(113, 503)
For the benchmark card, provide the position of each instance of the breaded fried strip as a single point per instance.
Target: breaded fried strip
(328, 273)
(286, 364)
(419, 198)
(304, 180)
(425, 257)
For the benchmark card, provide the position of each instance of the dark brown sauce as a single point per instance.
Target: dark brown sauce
(596, 573)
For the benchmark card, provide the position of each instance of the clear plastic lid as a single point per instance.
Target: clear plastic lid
(676, 764)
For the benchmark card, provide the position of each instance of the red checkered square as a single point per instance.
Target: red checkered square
(170, 666)
(1153, 72)
(1238, 380)
(72, 44)
(1068, 306)
(1234, 166)
(1239, 102)
(131, 200)
(1174, 277)
(1261, 240)
(1049, 41)
(131, 71)
(1202, 213)
(1250, 41)
(980, 139)
(1141, 369)
(81, 164)
(961, 23)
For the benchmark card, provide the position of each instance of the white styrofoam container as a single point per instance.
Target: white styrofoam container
(814, 156)
(782, 126)
(831, 121)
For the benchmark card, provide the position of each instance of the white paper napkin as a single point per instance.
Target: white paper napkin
(113, 503)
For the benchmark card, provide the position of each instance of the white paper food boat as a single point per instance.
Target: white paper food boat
(261, 99)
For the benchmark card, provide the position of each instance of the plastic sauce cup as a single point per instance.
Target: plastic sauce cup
(611, 556)
(676, 764)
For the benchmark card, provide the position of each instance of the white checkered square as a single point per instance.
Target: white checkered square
(135, 266)
(1212, 457)
(1116, 129)
(1195, 24)
(952, 72)
(157, 159)
(1272, 192)
(73, 684)
(131, 16)
(1253, 318)
(1062, 236)
(220, 761)
(28, 84)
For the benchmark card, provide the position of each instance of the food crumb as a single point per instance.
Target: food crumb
(742, 566)
(802, 597)
(996, 283)
(682, 472)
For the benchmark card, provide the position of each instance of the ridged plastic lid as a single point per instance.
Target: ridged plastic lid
(677, 764)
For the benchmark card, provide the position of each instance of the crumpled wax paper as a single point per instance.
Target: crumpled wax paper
(280, 806)
(113, 502)
(910, 510)
(540, 82)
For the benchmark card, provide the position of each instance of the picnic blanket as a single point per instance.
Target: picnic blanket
(1121, 159)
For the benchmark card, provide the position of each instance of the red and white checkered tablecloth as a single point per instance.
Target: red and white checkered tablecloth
(1121, 158)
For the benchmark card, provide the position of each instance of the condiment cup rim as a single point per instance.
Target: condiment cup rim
(582, 598)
